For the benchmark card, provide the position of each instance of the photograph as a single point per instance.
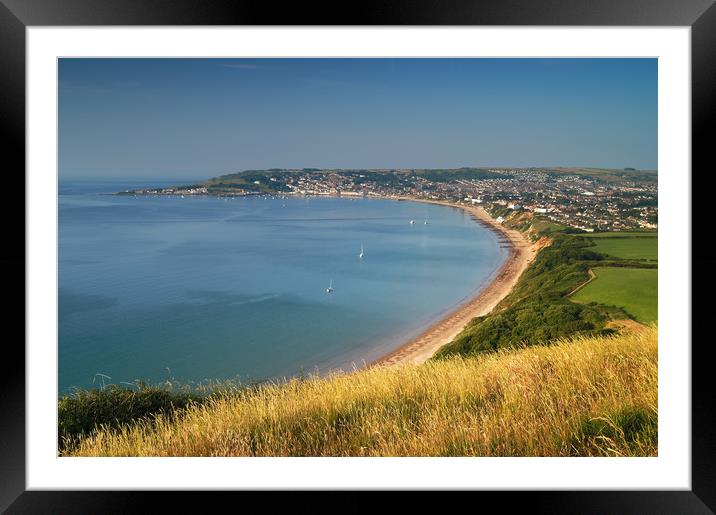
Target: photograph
(414, 249)
(357, 257)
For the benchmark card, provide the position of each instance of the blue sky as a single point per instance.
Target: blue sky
(195, 118)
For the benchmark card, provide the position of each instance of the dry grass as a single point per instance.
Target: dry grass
(584, 397)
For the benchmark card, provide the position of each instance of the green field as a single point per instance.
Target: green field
(623, 234)
(627, 245)
(632, 289)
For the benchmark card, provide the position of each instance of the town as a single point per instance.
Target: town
(584, 199)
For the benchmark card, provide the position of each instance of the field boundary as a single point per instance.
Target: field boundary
(592, 276)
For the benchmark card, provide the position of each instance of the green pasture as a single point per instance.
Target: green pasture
(632, 289)
(627, 245)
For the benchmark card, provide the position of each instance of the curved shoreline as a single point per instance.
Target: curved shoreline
(521, 253)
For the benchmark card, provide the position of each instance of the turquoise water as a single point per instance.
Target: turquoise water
(202, 288)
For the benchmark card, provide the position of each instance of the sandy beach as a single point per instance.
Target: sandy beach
(521, 253)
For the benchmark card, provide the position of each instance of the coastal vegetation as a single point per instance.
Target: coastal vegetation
(585, 396)
(113, 406)
(561, 294)
(537, 310)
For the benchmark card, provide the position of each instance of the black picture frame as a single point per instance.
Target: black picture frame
(17, 15)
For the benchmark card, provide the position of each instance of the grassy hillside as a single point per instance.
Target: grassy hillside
(537, 310)
(584, 397)
(79, 413)
(540, 307)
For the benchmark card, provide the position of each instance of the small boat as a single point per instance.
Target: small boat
(412, 222)
(425, 222)
(360, 256)
(330, 287)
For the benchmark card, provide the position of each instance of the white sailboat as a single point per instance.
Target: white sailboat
(426, 221)
(360, 256)
(330, 287)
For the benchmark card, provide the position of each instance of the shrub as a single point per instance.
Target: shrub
(82, 412)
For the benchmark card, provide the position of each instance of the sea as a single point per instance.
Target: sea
(204, 289)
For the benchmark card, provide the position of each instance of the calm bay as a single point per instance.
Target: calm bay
(207, 288)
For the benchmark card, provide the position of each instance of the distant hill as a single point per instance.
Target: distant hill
(446, 175)
(607, 174)
(269, 181)
(273, 180)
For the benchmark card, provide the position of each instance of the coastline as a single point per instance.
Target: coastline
(426, 344)
(520, 254)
